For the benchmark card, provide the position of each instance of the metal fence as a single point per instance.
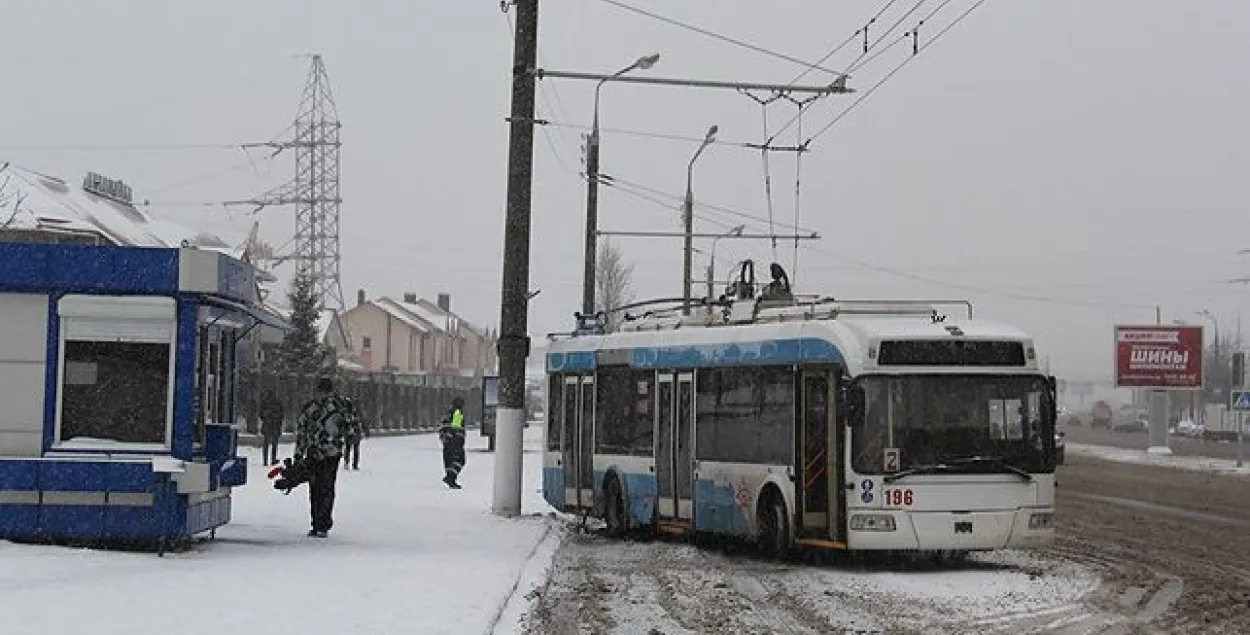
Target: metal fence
(387, 402)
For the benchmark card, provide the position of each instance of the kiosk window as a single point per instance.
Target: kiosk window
(115, 391)
(116, 367)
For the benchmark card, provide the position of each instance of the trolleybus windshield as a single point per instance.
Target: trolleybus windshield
(953, 424)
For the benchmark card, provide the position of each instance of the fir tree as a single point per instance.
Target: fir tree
(301, 352)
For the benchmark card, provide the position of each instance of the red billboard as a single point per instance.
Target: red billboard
(1159, 357)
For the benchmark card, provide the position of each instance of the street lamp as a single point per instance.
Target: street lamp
(592, 186)
(689, 218)
(711, 265)
(1215, 323)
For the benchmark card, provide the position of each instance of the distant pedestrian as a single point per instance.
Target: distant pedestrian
(271, 417)
(351, 443)
(452, 436)
(324, 423)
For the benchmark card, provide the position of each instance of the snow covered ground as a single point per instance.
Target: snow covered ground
(406, 555)
(1192, 463)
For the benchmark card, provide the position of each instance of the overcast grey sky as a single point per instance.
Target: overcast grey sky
(1092, 153)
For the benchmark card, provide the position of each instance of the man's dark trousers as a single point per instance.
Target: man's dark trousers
(271, 441)
(324, 473)
(351, 453)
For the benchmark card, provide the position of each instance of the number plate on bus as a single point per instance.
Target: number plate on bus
(898, 498)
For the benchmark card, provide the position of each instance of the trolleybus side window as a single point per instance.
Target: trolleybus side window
(626, 412)
(746, 415)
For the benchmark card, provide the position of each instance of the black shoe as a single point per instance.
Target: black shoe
(454, 485)
(318, 534)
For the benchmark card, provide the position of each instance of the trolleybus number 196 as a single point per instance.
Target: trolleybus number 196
(898, 497)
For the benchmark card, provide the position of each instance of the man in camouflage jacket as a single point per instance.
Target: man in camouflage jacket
(324, 423)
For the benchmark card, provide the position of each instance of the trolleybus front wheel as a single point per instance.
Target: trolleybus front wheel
(774, 535)
(614, 508)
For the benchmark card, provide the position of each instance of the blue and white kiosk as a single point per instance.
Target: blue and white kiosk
(117, 391)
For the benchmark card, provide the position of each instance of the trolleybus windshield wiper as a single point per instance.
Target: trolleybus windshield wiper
(997, 460)
(948, 464)
(919, 469)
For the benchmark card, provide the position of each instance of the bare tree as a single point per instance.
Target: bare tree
(16, 198)
(613, 281)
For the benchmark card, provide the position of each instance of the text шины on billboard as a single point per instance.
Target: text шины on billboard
(1159, 357)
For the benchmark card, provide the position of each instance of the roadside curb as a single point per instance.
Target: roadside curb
(535, 575)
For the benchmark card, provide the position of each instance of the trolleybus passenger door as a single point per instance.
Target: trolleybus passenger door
(570, 407)
(818, 455)
(586, 444)
(664, 455)
(683, 449)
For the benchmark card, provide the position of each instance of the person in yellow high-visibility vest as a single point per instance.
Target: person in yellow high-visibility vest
(452, 436)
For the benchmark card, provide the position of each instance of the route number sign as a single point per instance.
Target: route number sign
(892, 460)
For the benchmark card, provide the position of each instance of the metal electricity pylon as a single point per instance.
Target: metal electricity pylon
(315, 189)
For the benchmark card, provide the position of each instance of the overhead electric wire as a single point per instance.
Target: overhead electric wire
(625, 189)
(847, 41)
(717, 208)
(119, 147)
(830, 54)
(648, 135)
(974, 288)
(542, 93)
(721, 37)
(868, 93)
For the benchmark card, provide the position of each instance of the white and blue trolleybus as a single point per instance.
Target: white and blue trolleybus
(805, 422)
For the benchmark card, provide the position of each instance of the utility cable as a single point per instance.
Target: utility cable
(723, 38)
(976, 289)
(915, 53)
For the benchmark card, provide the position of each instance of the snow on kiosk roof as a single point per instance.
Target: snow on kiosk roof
(95, 451)
(35, 202)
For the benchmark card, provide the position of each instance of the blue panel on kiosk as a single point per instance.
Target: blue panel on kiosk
(19, 475)
(219, 442)
(132, 523)
(19, 521)
(128, 477)
(72, 476)
(71, 522)
(84, 268)
(235, 475)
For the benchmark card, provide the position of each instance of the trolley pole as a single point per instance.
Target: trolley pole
(514, 342)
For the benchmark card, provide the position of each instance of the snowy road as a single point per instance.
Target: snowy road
(602, 585)
(1143, 548)
(406, 556)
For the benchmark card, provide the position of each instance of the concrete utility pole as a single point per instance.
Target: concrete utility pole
(514, 341)
(592, 187)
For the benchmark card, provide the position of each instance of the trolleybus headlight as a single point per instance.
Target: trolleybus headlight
(872, 522)
(1041, 520)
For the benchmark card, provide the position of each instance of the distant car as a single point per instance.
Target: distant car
(1183, 428)
(1141, 423)
(1059, 448)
